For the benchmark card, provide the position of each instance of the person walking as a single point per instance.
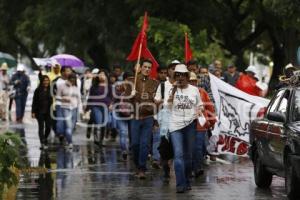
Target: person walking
(199, 150)
(41, 104)
(186, 105)
(21, 83)
(98, 102)
(4, 86)
(142, 122)
(161, 140)
(70, 97)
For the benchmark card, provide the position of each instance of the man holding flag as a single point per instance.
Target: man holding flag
(142, 97)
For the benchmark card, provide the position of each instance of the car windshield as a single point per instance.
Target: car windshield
(296, 113)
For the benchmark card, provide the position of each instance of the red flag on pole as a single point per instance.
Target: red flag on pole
(140, 50)
(187, 52)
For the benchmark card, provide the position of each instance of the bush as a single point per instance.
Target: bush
(9, 159)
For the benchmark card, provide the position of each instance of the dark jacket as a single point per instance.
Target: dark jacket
(145, 92)
(21, 82)
(100, 94)
(42, 101)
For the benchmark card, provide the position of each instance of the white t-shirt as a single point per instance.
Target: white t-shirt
(184, 107)
(167, 92)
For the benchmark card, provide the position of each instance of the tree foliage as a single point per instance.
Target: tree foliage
(101, 32)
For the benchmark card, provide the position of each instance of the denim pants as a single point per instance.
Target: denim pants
(183, 144)
(20, 105)
(122, 126)
(60, 125)
(112, 122)
(199, 150)
(70, 116)
(155, 145)
(141, 131)
(99, 117)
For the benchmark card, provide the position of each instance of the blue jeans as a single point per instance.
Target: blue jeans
(112, 122)
(70, 122)
(98, 115)
(199, 150)
(155, 145)
(122, 126)
(141, 131)
(183, 143)
(20, 105)
(60, 122)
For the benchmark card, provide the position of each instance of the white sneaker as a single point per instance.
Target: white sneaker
(70, 146)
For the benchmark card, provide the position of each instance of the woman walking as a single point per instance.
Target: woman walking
(186, 106)
(42, 101)
(71, 102)
(99, 101)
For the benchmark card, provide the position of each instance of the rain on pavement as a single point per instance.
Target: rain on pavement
(88, 172)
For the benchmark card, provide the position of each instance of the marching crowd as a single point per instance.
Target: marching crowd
(170, 117)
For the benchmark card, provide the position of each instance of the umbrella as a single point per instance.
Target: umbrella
(68, 60)
(9, 59)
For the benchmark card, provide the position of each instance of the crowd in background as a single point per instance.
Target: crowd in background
(170, 117)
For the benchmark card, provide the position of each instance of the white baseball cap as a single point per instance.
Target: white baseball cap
(20, 67)
(251, 68)
(181, 68)
(95, 71)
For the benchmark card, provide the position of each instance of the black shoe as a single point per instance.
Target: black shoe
(155, 165)
(199, 173)
(188, 188)
(88, 133)
(180, 190)
(61, 139)
(124, 156)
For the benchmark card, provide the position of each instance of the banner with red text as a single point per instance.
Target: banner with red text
(235, 110)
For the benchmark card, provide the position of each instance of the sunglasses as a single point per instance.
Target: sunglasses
(179, 74)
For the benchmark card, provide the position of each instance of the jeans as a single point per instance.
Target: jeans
(183, 143)
(60, 125)
(122, 126)
(20, 105)
(44, 121)
(199, 150)
(112, 122)
(99, 116)
(141, 131)
(70, 116)
(155, 145)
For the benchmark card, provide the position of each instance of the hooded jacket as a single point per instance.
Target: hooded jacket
(52, 76)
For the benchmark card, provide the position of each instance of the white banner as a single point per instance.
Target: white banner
(235, 109)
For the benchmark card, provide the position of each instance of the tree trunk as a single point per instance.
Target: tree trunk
(98, 54)
(278, 56)
(25, 50)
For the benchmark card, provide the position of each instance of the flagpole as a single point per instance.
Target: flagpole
(137, 64)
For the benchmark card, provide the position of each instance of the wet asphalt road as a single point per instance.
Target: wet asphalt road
(88, 172)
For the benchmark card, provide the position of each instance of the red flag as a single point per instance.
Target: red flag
(140, 46)
(187, 52)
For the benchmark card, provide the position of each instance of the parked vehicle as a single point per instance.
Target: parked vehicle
(275, 142)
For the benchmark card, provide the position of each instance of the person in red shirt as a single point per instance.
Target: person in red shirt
(209, 114)
(247, 82)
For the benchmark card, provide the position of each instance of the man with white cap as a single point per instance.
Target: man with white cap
(4, 83)
(160, 135)
(21, 83)
(186, 106)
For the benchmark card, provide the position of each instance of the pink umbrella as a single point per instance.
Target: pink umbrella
(68, 60)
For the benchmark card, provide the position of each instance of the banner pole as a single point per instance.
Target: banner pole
(137, 64)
